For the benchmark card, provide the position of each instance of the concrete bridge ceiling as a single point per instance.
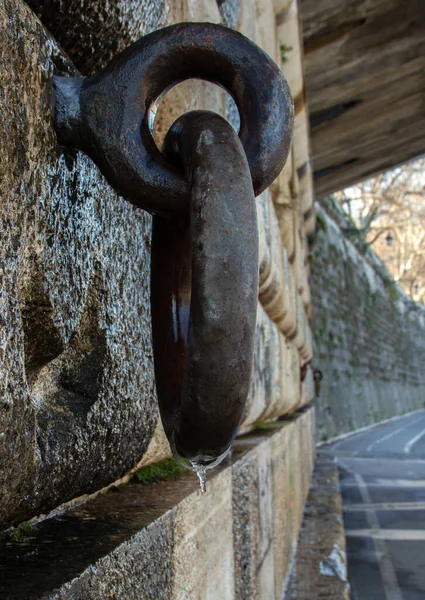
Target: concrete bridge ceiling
(365, 78)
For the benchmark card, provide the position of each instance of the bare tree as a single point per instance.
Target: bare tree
(388, 214)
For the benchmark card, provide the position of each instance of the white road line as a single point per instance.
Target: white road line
(390, 535)
(356, 436)
(382, 482)
(346, 437)
(405, 506)
(386, 567)
(413, 441)
(370, 460)
(389, 435)
(353, 436)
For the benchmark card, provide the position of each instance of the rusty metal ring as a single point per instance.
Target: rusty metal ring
(107, 115)
(204, 290)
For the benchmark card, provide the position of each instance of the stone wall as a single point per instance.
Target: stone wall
(167, 541)
(78, 407)
(369, 337)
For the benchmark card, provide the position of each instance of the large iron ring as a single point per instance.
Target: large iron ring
(107, 115)
(204, 291)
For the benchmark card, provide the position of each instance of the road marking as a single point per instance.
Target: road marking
(413, 441)
(386, 567)
(390, 535)
(382, 482)
(406, 506)
(351, 437)
(389, 435)
(369, 460)
(344, 437)
(355, 437)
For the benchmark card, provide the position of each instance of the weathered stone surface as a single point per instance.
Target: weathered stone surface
(91, 32)
(230, 12)
(274, 290)
(369, 338)
(291, 47)
(275, 384)
(167, 540)
(265, 381)
(77, 404)
(320, 569)
(286, 219)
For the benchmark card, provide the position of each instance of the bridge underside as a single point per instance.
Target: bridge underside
(364, 67)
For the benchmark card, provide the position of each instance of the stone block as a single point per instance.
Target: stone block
(300, 336)
(298, 260)
(78, 405)
(92, 32)
(286, 219)
(307, 387)
(167, 540)
(280, 189)
(291, 47)
(306, 188)
(288, 325)
(273, 277)
(291, 373)
(288, 398)
(306, 350)
(302, 144)
(306, 299)
(310, 222)
(265, 26)
(265, 381)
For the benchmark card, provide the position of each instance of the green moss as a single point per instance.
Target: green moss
(267, 425)
(284, 49)
(22, 532)
(321, 222)
(393, 291)
(160, 471)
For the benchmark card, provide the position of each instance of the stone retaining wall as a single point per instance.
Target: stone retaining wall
(369, 337)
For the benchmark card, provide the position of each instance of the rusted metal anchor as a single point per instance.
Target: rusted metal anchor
(204, 280)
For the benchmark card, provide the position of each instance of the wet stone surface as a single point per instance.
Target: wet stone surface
(59, 549)
(166, 539)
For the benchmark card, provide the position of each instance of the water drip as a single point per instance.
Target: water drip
(201, 472)
(200, 464)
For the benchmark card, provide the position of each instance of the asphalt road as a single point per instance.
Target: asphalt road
(382, 475)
